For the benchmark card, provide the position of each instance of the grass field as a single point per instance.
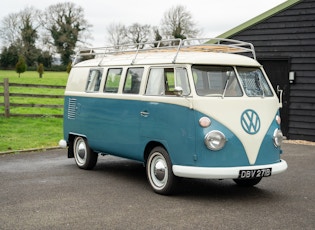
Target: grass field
(20, 133)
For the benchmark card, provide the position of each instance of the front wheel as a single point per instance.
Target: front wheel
(247, 182)
(85, 158)
(159, 171)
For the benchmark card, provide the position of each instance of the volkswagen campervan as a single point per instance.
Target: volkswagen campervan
(189, 108)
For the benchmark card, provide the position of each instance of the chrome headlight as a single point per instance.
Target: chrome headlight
(277, 137)
(215, 140)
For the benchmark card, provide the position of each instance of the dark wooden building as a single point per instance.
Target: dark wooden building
(284, 40)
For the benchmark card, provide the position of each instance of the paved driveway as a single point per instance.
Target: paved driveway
(45, 190)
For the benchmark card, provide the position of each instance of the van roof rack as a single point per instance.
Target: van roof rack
(220, 45)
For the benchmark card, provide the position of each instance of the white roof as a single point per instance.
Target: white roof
(167, 58)
(216, 51)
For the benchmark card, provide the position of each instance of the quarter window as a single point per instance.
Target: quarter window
(94, 80)
(112, 80)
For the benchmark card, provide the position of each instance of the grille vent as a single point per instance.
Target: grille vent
(72, 108)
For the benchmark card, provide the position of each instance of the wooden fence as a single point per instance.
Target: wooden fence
(7, 105)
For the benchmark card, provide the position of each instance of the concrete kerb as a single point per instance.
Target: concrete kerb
(299, 142)
(29, 150)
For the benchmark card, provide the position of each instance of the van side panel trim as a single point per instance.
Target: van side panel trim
(223, 172)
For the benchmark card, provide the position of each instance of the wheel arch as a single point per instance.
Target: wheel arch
(71, 137)
(151, 145)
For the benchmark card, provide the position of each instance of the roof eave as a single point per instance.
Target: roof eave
(259, 18)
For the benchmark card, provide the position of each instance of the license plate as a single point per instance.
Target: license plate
(245, 174)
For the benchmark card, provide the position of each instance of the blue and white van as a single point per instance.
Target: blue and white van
(190, 108)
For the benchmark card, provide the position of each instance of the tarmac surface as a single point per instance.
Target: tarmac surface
(46, 190)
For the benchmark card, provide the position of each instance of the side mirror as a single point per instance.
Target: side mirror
(178, 91)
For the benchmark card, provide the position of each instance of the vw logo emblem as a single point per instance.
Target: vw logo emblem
(250, 121)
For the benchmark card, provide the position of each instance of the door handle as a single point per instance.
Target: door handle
(144, 113)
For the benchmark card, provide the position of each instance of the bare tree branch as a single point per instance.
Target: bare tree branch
(116, 34)
(178, 23)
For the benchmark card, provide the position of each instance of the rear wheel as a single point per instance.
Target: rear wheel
(85, 158)
(159, 171)
(247, 182)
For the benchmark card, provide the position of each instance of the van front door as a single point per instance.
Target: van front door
(167, 118)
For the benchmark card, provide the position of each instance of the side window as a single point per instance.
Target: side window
(162, 81)
(156, 82)
(169, 81)
(254, 82)
(182, 80)
(94, 80)
(112, 80)
(133, 80)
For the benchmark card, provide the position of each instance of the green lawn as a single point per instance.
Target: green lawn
(31, 77)
(20, 133)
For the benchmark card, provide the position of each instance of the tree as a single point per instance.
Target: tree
(157, 35)
(29, 35)
(40, 70)
(46, 58)
(119, 34)
(177, 23)
(69, 67)
(116, 34)
(20, 66)
(9, 30)
(66, 25)
(9, 56)
(20, 30)
(137, 33)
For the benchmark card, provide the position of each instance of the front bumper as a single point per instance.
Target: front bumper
(223, 173)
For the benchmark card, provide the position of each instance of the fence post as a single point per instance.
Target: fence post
(6, 98)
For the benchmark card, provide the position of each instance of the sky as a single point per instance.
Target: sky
(212, 17)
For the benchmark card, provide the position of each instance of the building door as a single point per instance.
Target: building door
(278, 73)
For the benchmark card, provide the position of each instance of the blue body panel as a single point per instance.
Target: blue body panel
(268, 153)
(111, 126)
(115, 126)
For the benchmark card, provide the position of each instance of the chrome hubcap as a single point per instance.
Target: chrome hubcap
(80, 151)
(159, 170)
